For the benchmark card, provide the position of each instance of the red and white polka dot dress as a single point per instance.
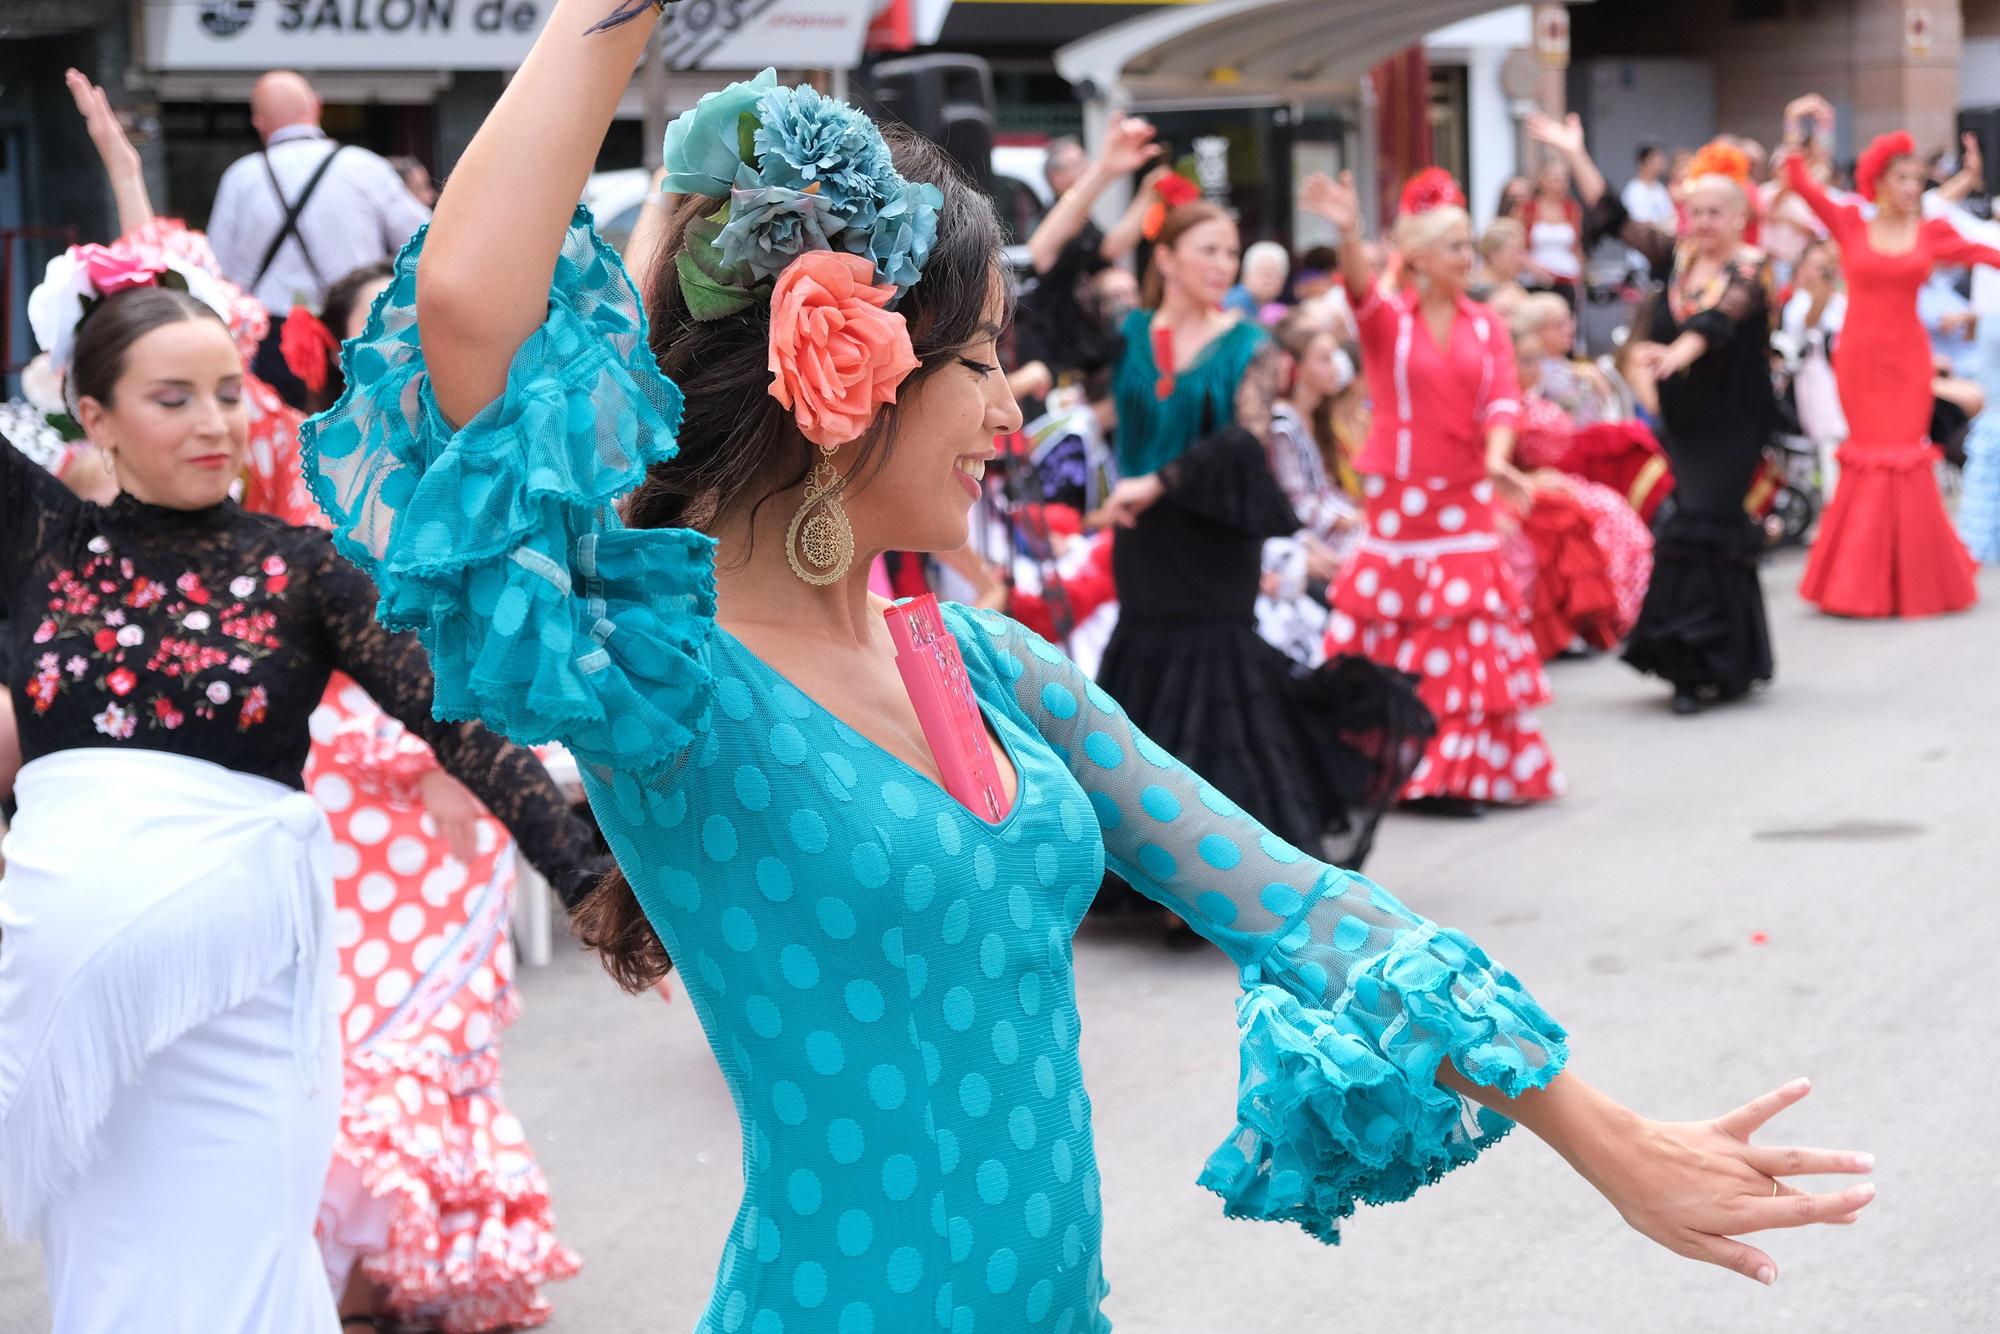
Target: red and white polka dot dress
(434, 1188)
(434, 1191)
(1426, 592)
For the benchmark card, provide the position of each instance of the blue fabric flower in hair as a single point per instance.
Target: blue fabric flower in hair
(904, 230)
(804, 139)
(705, 146)
(771, 225)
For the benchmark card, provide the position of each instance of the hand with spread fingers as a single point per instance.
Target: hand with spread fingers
(1693, 1186)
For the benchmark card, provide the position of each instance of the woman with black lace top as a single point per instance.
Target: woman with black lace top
(168, 1070)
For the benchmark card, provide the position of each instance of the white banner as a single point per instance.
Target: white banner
(484, 34)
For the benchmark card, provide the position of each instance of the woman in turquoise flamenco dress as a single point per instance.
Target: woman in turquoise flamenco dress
(884, 976)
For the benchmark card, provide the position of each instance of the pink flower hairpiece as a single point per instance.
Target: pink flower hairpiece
(838, 353)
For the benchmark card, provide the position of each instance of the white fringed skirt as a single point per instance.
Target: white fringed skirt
(169, 1070)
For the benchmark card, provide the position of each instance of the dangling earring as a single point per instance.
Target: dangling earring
(820, 543)
(110, 462)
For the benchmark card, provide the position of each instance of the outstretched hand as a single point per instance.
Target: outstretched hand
(1335, 200)
(1812, 107)
(1694, 1186)
(1129, 144)
(106, 132)
(1565, 135)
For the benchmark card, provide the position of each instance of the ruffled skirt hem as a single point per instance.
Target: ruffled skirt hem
(467, 1239)
(1886, 547)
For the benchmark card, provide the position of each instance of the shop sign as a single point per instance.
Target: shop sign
(484, 34)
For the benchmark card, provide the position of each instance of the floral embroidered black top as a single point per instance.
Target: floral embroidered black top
(212, 633)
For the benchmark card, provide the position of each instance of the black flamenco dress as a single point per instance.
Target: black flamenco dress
(1703, 626)
(1318, 756)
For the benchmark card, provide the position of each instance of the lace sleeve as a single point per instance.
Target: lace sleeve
(33, 506)
(1743, 303)
(509, 779)
(499, 542)
(1608, 217)
(1350, 1000)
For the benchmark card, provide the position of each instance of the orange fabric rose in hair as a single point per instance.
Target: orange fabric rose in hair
(1720, 159)
(837, 352)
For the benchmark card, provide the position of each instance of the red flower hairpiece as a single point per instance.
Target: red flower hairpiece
(1431, 188)
(1885, 149)
(1720, 159)
(309, 348)
(1171, 191)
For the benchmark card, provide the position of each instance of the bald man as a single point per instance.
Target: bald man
(302, 212)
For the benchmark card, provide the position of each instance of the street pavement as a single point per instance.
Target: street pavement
(1801, 884)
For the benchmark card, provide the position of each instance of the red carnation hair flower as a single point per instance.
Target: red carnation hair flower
(1431, 188)
(1885, 149)
(1170, 192)
(309, 348)
(1718, 158)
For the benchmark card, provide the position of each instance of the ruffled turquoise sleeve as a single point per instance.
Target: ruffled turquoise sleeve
(499, 541)
(1349, 1002)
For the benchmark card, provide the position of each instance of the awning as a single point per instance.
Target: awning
(1284, 50)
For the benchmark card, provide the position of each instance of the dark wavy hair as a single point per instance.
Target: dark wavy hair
(739, 448)
(336, 308)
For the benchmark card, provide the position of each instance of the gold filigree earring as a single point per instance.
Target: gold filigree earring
(820, 542)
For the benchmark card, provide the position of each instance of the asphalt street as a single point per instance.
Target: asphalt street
(1802, 884)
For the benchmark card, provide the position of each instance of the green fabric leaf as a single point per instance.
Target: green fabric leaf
(747, 126)
(707, 298)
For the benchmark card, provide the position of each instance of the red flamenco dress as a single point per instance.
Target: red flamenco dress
(1886, 546)
(1593, 555)
(1427, 590)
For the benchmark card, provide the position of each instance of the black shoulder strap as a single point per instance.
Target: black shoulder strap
(289, 229)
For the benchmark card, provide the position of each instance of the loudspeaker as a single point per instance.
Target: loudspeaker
(949, 100)
(1984, 122)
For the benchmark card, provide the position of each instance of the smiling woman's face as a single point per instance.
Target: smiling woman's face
(937, 451)
(175, 423)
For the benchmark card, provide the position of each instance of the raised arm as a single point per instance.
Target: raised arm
(122, 167)
(1335, 199)
(1566, 138)
(1604, 209)
(33, 504)
(1128, 146)
(483, 283)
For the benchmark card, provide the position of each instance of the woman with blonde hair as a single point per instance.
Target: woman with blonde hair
(1427, 592)
(1705, 336)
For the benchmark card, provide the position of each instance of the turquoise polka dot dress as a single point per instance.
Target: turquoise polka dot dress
(885, 979)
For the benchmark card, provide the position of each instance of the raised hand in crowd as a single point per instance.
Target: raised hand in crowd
(122, 166)
(1566, 137)
(1129, 144)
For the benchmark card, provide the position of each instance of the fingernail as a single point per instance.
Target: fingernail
(1799, 1083)
(1865, 1161)
(1767, 1276)
(1865, 1191)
